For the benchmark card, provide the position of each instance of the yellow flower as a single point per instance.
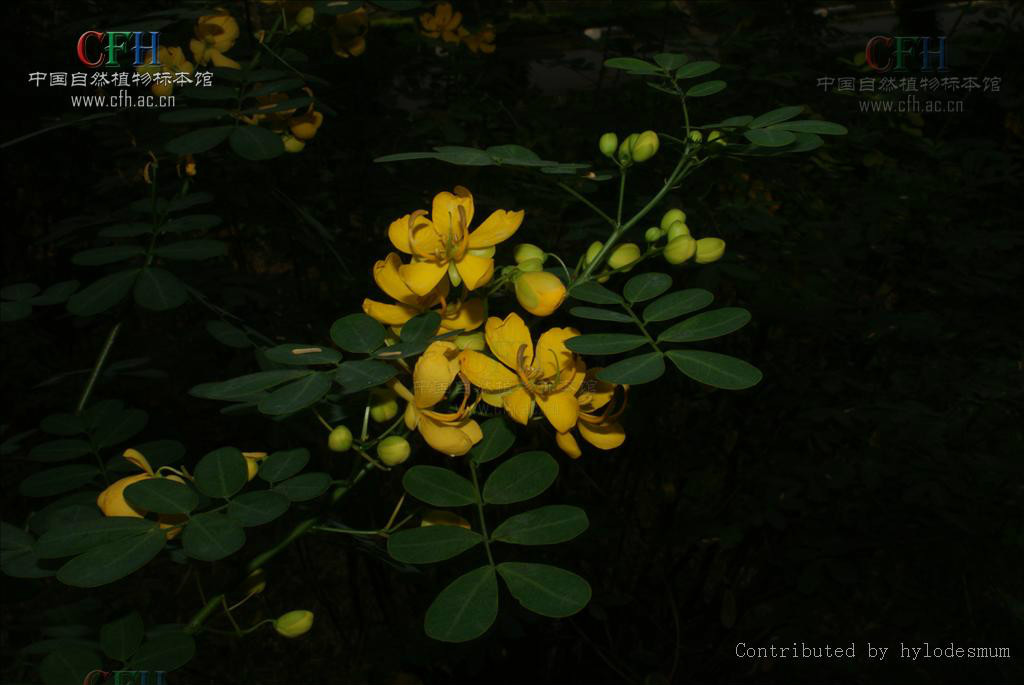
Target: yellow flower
(113, 503)
(171, 61)
(443, 23)
(305, 126)
(481, 41)
(347, 34)
(252, 462)
(451, 433)
(443, 244)
(457, 315)
(550, 377)
(540, 292)
(600, 428)
(215, 34)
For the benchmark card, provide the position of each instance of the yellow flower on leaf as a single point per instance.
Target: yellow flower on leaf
(522, 377)
(597, 421)
(456, 315)
(347, 34)
(452, 433)
(443, 243)
(112, 501)
(481, 41)
(252, 462)
(171, 61)
(215, 34)
(443, 23)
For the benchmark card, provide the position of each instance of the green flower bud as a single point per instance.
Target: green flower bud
(696, 136)
(626, 149)
(672, 216)
(294, 623)
(383, 404)
(529, 265)
(470, 341)
(608, 143)
(645, 146)
(592, 251)
(393, 450)
(624, 255)
(716, 137)
(305, 16)
(526, 251)
(653, 234)
(680, 249)
(677, 229)
(255, 582)
(340, 439)
(710, 250)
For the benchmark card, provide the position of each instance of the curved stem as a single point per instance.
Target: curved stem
(600, 212)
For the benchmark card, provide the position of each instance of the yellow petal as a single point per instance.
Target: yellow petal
(433, 374)
(486, 373)
(561, 409)
(506, 337)
(465, 316)
(553, 357)
(402, 229)
(568, 444)
(421, 277)
(604, 436)
(499, 226)
(198, 49)
(389, 314)
(445, 438)
(135, 457)
(411, 416)
(492, 398)
(518, 404)
(112, 502)
(446, 215)
(475, 271)
(595, 392)
(219, 60)
(388, 279)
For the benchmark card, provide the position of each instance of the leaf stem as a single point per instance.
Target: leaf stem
(480, 513)
(600, 212)
(90, 385)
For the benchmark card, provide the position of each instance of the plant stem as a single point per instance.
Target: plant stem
(617, 234)
(480, 513)
(600, 212)
(90, 385)
(622, 197)
(640, 325)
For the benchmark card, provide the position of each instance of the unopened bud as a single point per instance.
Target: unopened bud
(540, 292)
(470, 341)
(677, 230)
(305, 16)
(626, 149)
(696, 136)
(608, 143)
(255, 582)
(528, 265)
(340, 439)
(710, 250)
(672, 216)
(680, 249)
(294, 623)
(624, 256)
(653, 234)
(524, 251)
(291, 143)
(645, 146)
(592, 251)
(383, 404)
(393, 450)
(716, 137)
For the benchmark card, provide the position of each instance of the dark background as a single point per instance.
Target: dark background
(868, 490)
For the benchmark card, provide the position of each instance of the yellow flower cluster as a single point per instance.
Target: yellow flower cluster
(444, 254)
(170, 61)
(215, 34)
(446, 23)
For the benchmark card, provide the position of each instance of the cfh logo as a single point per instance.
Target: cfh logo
(904, 53)
(98, 677)
(105, 48)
